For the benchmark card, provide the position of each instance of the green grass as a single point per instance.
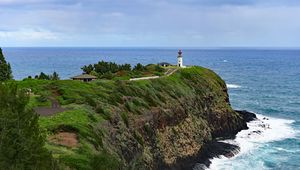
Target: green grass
(36, 101)
(118, 100)
(72, 120)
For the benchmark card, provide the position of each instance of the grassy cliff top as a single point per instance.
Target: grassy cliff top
(93, 109)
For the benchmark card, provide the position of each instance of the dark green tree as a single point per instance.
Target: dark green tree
(5, 69)
(113, 67)
(103, 67)
(139, 67)
(125, 67)
(88, 69)
(43, 76)
(55, 76)
(21, 140)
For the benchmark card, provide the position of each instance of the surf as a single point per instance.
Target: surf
(261, 131)
(233, 86)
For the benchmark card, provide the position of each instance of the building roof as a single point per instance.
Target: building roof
(84, 76)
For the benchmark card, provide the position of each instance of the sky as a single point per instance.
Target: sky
(150, 23)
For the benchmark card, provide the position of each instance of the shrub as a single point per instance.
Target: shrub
(124, 116)
(99, 110)
(91, 101)
(65, 128)
(148, 129)
(159, 68)
(80, 162)
(108, 75)
(107, 114)
(105, 160)
(138, 137)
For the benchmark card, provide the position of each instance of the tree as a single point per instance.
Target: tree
(21, 140)
(43, 76)
(113, 67)
(125, 67)
(88, 69)
(139, 67)
(5, 69)
(103, 67)
(55, 76)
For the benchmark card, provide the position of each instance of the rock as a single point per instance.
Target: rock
(210, 150)
(247, 116)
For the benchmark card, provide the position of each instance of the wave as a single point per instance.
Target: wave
(233, 86)
(261, 131)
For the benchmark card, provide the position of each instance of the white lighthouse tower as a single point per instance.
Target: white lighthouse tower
(180, 60)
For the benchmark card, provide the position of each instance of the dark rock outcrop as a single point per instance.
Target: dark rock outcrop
(247, 116)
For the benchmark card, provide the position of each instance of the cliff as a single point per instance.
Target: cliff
(165, 123)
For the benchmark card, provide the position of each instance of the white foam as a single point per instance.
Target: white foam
(263, 130)
(233, 86)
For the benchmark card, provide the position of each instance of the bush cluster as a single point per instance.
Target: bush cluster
(44, 76)
(111, 70)
(103, 67)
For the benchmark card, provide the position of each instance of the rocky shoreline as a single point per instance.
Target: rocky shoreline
(213, 149)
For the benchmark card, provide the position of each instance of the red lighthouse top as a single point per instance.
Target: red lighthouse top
(180, 52)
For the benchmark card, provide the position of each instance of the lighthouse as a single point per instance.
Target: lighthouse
(180, 61)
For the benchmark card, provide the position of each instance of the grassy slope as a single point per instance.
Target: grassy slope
(97, 107)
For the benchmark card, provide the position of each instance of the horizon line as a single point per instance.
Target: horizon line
(159, 47)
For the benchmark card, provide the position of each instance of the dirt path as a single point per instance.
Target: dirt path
(171, 71)
(167, 73)
(49, 111)
(67, 139)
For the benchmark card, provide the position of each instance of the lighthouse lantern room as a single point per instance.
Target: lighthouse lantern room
(180, 60)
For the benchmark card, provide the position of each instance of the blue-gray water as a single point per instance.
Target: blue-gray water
(264, 81)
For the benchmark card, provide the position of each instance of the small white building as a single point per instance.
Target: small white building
(180, 60)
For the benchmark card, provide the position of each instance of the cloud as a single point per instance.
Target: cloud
(150, 22)
(32, 2)
(28, 35)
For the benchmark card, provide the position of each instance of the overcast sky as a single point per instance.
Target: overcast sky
(151, 23)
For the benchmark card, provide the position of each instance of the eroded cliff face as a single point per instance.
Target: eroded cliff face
(170, 120)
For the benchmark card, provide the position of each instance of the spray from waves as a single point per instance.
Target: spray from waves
(233, 86)
(261, 131)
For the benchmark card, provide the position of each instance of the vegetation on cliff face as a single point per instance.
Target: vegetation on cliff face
(136, 125)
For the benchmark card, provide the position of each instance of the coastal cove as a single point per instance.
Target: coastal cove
(194, 101)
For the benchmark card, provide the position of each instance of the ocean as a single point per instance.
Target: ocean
(264, 81)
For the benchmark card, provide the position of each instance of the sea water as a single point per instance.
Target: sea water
(264, 81)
